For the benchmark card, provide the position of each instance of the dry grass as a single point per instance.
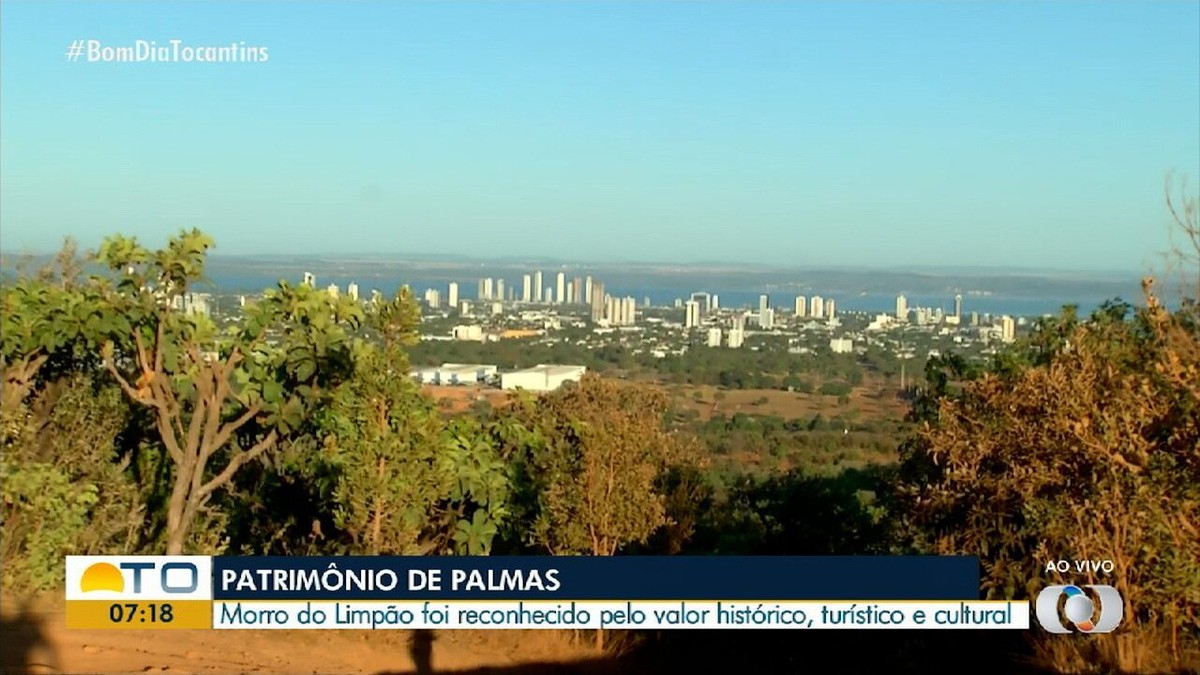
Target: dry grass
(1137, 649)
(869, 402)
(455, 400)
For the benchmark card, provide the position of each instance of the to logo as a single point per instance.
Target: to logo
(1080, 609)
(173, 577)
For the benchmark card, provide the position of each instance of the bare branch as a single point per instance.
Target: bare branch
(236, 463)
(158, 346)
(143, 363)
(229, 428)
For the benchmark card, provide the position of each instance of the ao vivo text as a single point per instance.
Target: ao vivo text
(1080, 566)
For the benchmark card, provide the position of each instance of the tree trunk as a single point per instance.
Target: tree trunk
(177, 525)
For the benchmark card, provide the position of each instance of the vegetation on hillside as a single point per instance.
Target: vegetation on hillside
(131, 427)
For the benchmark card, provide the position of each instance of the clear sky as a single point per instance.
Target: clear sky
(855, 133)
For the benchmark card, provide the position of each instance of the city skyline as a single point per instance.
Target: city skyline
(834, 134)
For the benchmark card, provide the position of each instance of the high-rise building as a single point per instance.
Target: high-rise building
(816, 307)
(714, 337)
(499, 290)
(352, 291)
(332, 289)
(714, 303)
(829, 308)
(310, 279)
(617, 311)
(736, 337)
(901, 308)
(597, 303)
(527, 288)
(692, 318)
(646, 301)
(1008, 329)
(577, 291)
(974, 318)
(801, 306)
(766, 320)
(764, 305)
(548, 295)
(434, 298)
(587, 291)
(570, 294)
(560, 296)
(537, 286)
(958, 306)
(452, 294)
(480, 294)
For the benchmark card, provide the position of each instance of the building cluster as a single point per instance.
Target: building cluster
(198, 304)
(537, 312)
(542, 377)
(702, 309)
(605, 309)
(1002, 328)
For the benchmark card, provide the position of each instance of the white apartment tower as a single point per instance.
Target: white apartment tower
(560, 282)
(766, 320)
(901, 308)
(817, 307)
(693, 314)
(801, 306)
(452, 294)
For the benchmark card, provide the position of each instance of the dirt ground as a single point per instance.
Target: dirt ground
(36, 640)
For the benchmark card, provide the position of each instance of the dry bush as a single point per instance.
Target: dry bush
(1092, 453)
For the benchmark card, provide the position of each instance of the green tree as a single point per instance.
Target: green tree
(406, 482)
(588, 466)
(219, 400)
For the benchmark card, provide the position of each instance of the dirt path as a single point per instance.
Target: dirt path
(39, 642)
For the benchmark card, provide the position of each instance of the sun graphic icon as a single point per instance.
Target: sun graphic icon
(102, 577)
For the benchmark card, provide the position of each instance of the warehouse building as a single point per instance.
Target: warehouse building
(541, 377)
(449, 374)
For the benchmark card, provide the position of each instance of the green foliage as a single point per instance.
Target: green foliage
(587, 460)
(45, 514)
(401, 479)
(64, 490)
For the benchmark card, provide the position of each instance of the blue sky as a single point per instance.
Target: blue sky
(856, 133)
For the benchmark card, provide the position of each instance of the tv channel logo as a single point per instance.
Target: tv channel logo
(1080, 609)
(139, 578)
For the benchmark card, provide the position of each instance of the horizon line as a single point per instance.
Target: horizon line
(708, 263)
